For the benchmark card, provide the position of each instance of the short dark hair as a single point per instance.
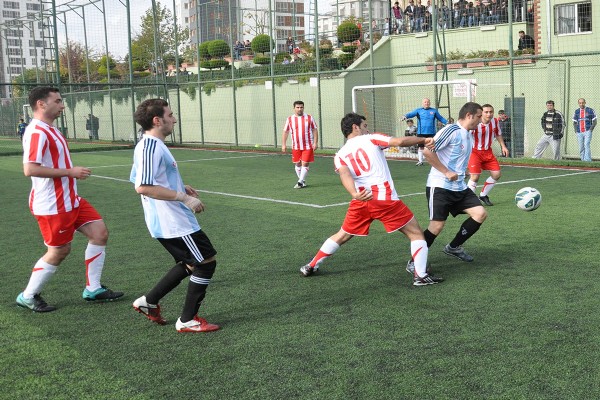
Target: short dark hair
(550, 102)
(523, 32)
(298, 103)
(409, 120)
(40, 93)
(501, 112)
(486, 105)
(469, 108)
(350, 120)
(147, 110)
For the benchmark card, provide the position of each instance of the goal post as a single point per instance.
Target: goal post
(385, 105)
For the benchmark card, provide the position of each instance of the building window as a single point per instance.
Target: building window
(14, 70)
(280, 20)
(11, 14)
(11, 4)
(573, 18)
(33, 7)
(14, 42)
(16, 61)
(13, 52)
(13, 32)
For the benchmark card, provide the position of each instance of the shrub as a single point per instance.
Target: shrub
(348, 32)
(325, 50)
(262, 60)
(262, 44)
(346, 59)
(279, 57)
(218, 48)
(203, 49)
(215, 64)
(349, 49)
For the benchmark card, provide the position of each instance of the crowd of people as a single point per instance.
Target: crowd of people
(418, 17)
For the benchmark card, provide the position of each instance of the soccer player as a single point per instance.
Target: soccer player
(56, 205)
(446, 190)
(482, 157)
(169, 208)
(365, 175)
(426, 127)
(305, 138)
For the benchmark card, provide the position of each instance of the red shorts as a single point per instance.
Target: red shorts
(483, 161)
(303, 155)
(393, 214)
(58, 230)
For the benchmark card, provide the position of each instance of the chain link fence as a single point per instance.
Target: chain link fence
(109, 55)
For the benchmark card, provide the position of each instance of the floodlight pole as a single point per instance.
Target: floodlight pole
(135, 138)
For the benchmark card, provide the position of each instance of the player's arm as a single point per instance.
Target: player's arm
(503, 147)
(315, 138)
(348, 183)
(407, 141)
(284, 138)
(158, 192)
(39, 171)
(440, 118)
(435, 162)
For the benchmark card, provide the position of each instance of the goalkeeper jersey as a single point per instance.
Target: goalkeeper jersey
(153, 164)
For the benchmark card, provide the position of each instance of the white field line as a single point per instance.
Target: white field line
(187, 161)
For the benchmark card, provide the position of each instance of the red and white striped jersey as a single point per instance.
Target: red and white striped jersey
(485, 134)
(43, 144)
(301, 129)
(364, 156)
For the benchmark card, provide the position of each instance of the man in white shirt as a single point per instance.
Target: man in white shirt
(364, 173)
(169, 208)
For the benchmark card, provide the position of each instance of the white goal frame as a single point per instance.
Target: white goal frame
(469, 86)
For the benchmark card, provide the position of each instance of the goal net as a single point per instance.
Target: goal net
(385, 105)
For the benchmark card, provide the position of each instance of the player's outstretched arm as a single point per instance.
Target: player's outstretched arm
(406, 141)
(39, 171)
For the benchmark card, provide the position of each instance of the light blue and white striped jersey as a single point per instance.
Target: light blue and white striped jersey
(453, 146)
(153, 164)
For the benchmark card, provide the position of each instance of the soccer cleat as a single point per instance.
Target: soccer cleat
(307, 270)
(419, 163)
(101, 294)
(410, 267)
(486, 200)
(36, 303)
(151, 311)
(300, 185)
(196, 325)
(426, 280)
(457, 252)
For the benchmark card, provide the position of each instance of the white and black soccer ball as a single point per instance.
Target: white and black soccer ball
(528, 199)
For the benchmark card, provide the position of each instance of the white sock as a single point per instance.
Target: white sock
(487, 186)
(419, 251)
(94, 262)
(42, 272)
(327, 249)
(303, 173)
(420, 154)
(472, 185)
(298, 169)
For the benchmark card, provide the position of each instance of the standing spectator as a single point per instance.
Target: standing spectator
(426, 127)
(57, 206)
(21, 128)
(238, 48)
(386, 27)
(525, 41)
(482, 157)
(493, 12)
(503, 11)
(553, 126)
(419, 17)
(290, 44)
(168, 209)
(584, 122)
(410, 14)
(505, 128)
(373, 196)
(91, 125)
(398, 18)
(458, 16)
(447, 192)
(305, 139)
(247, 45)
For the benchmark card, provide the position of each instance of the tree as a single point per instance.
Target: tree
(259, 23)
(262, 44)
(74, 61)
(146, 53)
(112, 65)
(348, 31)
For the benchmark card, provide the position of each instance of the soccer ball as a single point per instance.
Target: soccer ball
(528, 199)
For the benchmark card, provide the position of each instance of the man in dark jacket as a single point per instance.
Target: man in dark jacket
(553, 126)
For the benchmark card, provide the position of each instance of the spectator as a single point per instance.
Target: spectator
(493, 12)
(410, 14)
(386, 27)
(553, 126)
(290, 44)
(237, 49)
(247, 45)
(584, 122)
(398, 18)
(21, 128)
(503, 11)
(525, 41)
(505, 128)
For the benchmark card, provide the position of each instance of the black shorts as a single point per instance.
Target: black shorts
(191, 249)
(425, 136)
(442, 202)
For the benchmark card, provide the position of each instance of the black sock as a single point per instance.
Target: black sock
(168, 282)
(467, 229)
(429, 237)
(197, 289)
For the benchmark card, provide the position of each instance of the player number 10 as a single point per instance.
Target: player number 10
(360, 162)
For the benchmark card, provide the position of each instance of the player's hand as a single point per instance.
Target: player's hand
(363, 195)
(505, 152)
(193, 203)
(430, 143)
(451, 176)
(191, 191)
(79, 172)
(283, 148)
(403, 119)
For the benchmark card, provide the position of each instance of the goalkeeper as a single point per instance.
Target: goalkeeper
(426, 126)
(169, 208)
